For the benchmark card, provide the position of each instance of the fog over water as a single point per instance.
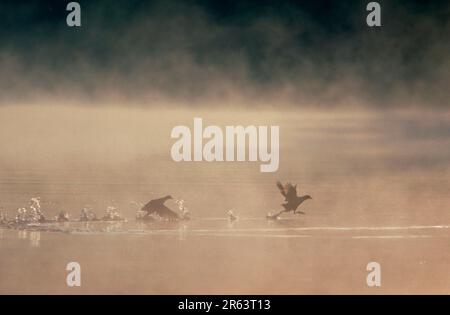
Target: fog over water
(359, 165)
(86, 116)
(249, 54)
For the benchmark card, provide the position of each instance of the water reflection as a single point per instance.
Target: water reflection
(35, 239)
(142, 226)
(22, 234)
(33, 236)
(231, 224)
(114, 227)
(65, 224)
(86, 225)
(182, 232)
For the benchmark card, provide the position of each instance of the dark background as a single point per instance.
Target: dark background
(306, 52)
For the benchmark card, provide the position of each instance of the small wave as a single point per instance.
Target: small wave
(392, 236)
(256, 235)
(250, 232)
(315, 228)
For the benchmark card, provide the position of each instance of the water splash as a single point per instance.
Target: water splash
(140, 215)
(32, 214)
(87, 214)
(3, 216)
(62, 217)
(112, 214)
(138, 204)
(184, 211)
(232, 216)
(114, 227)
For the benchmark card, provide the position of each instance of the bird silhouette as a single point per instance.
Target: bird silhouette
(156, 206)
(293, 201)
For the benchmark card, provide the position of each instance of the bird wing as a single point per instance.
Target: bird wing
(150, 206)
(291, 192)
(281, 188)
(165, 212)
(153, 204)
(159, 209)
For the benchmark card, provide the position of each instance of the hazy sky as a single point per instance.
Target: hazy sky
(299, 53)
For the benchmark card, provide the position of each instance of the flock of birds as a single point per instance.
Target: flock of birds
(154, 210)
(289, 192)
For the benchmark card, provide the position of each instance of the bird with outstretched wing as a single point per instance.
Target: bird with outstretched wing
(288, 191)
(292, 201)
(156, 206)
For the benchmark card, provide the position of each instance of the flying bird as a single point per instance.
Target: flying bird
(156, 206)
(293, 201)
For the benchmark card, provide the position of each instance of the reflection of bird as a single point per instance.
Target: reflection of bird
(290, 196)
(156, 206)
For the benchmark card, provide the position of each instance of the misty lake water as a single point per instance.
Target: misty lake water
(379, 180)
